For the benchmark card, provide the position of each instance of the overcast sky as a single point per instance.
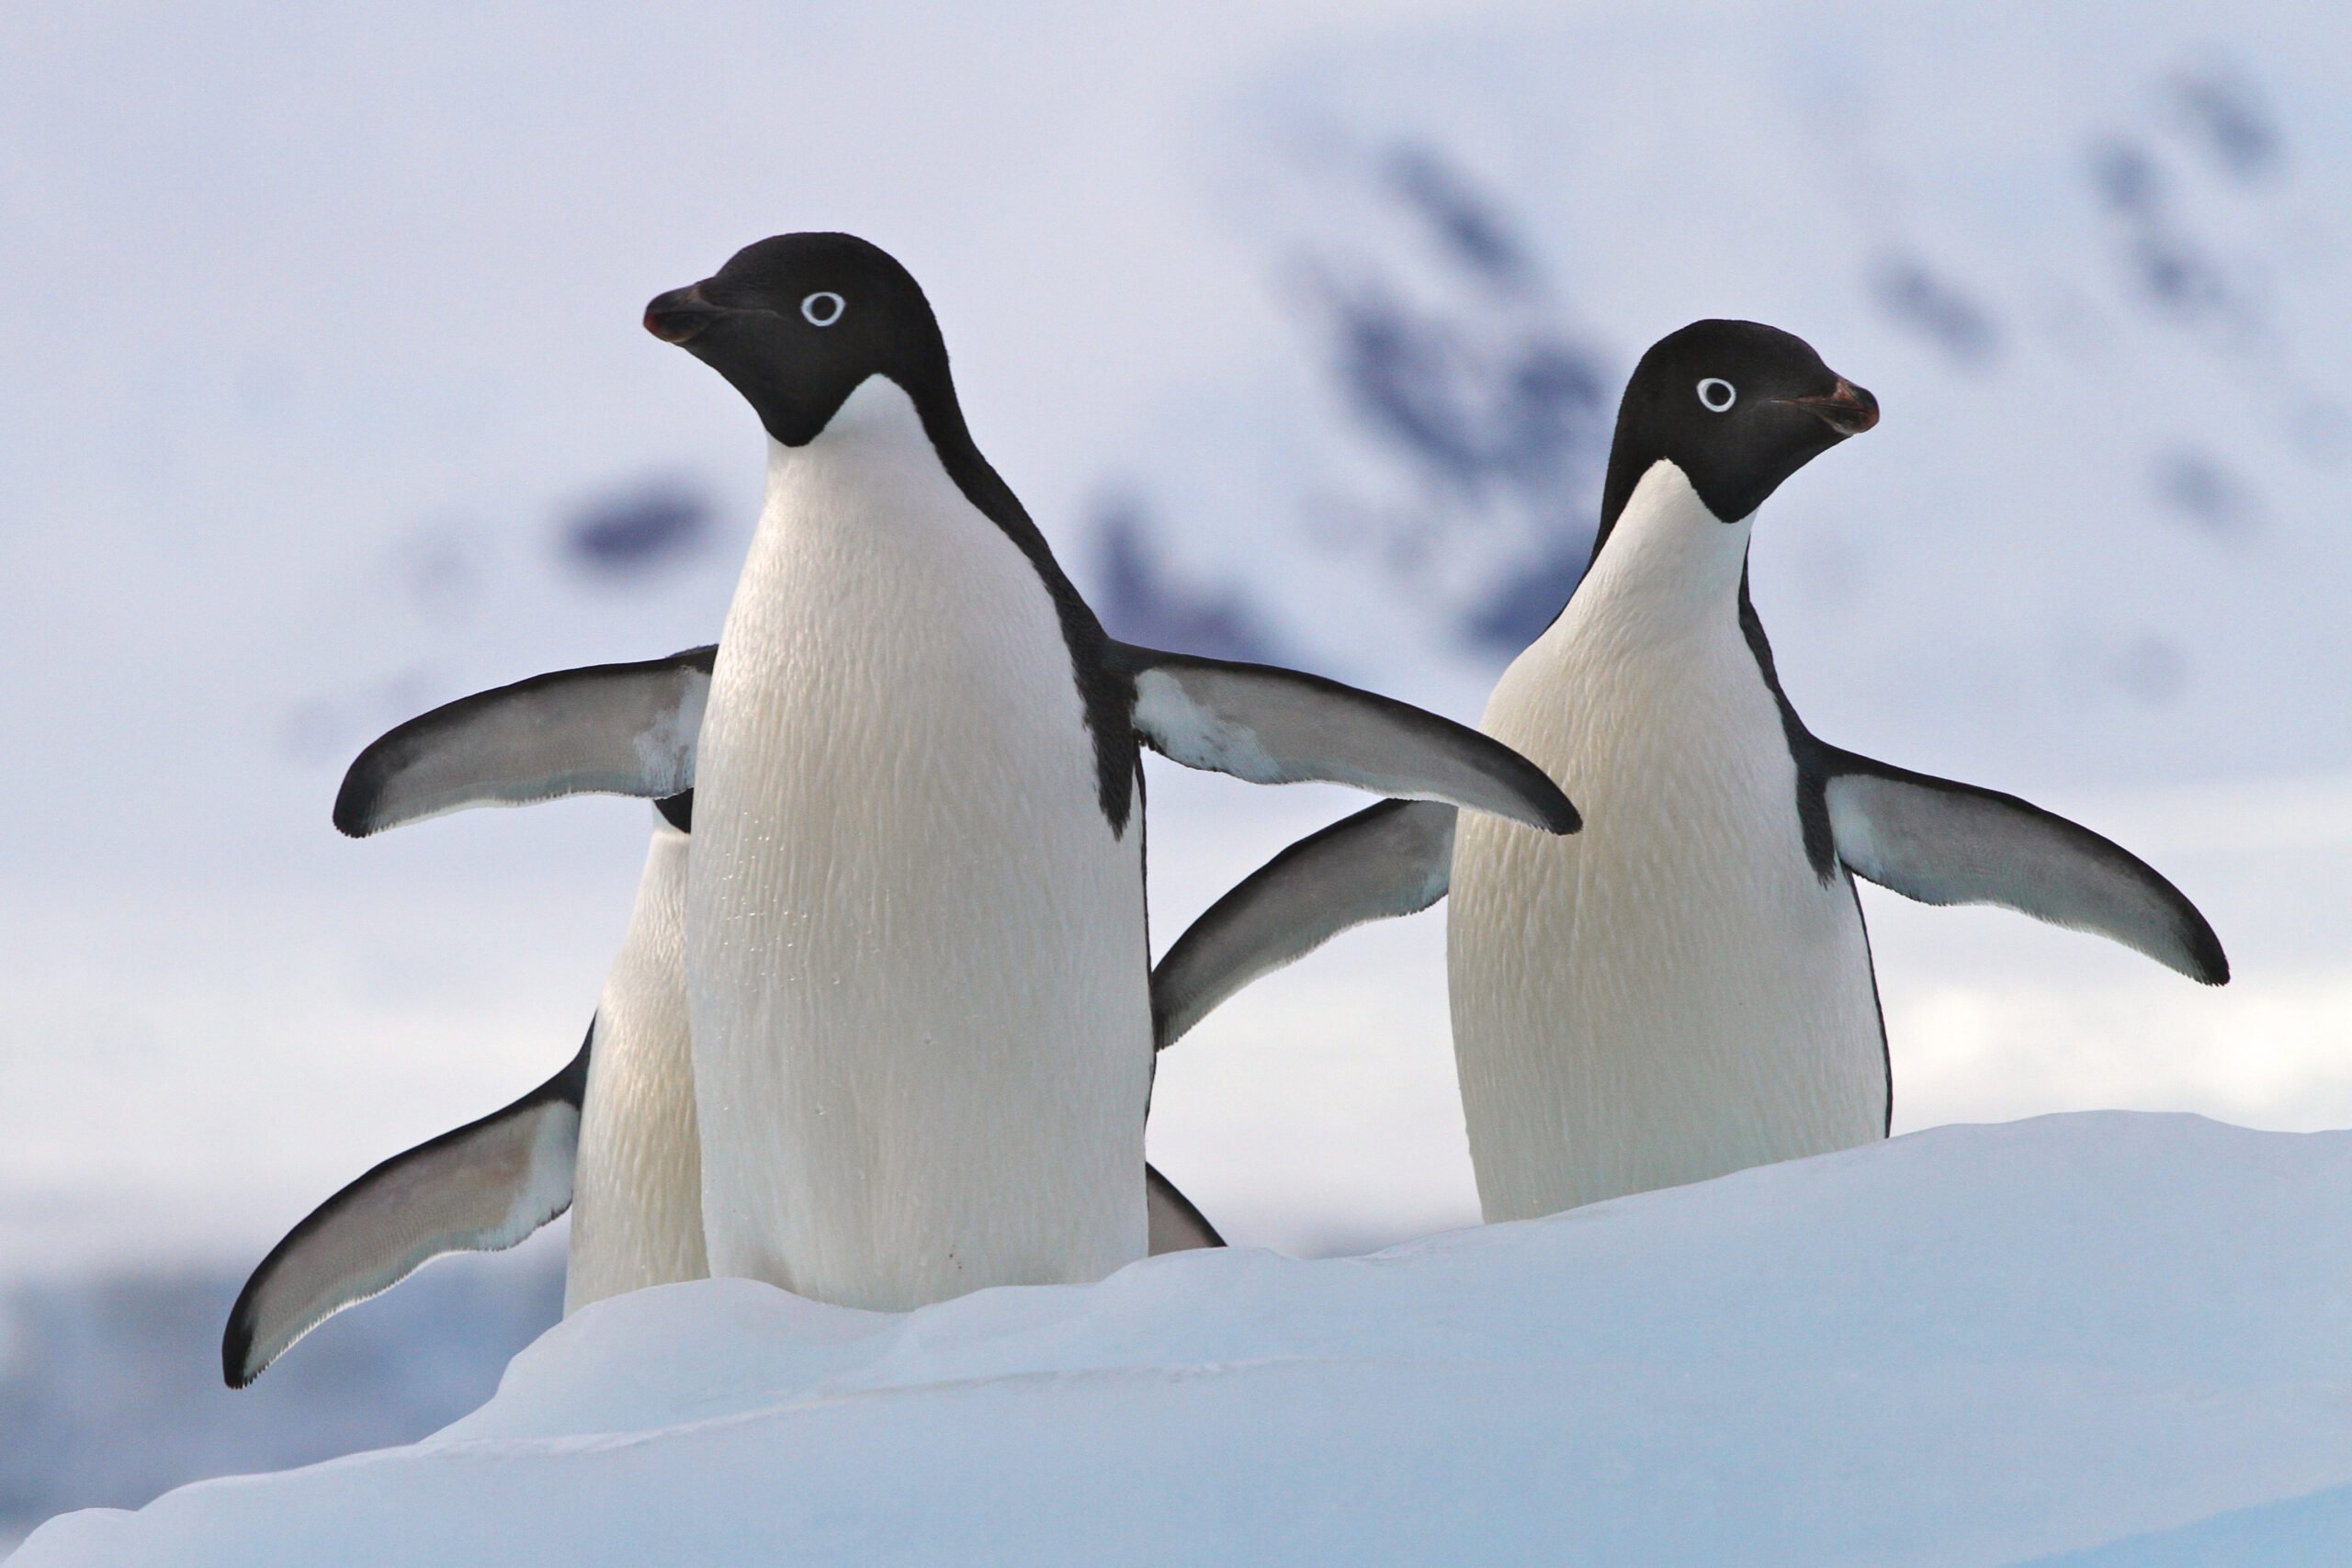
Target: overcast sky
(318, 342)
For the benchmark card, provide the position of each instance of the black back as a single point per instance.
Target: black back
(798, 323)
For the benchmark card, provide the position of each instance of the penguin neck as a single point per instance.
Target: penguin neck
(887, 427)
(1669, 570)
(876, 431)
(876, 439)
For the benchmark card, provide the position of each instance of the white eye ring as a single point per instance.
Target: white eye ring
(1716, 395)
(822, 308)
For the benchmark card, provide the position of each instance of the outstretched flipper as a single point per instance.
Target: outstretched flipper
(1174, 1225)
(1395, 858)
(1942, 842)
(608, 730)
(481, 1188)
(631, 730)
(1272, 726)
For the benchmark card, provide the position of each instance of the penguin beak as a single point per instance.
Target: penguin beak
(1849, 410)
(682, 314)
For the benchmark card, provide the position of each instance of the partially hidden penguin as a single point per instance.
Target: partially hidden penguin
(917, 964)
(1684, 988)
(612, 1138)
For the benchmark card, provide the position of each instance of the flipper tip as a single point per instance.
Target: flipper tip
(2212, 964)
(1545, 807)
(1562, 819)
(355, 803)
(1539, 794)
(236, 1352)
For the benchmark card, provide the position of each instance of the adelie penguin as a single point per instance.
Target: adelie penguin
(916, 958)
(1684, 988)
(611, 1137)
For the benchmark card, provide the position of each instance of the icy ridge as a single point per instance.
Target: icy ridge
(1979, 1345)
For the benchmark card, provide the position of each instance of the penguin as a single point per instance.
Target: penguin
(636, 1181)
(1685, 988)
(611, 1137)
(917, 964)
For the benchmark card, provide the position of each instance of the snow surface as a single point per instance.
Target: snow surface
(2114, 1333)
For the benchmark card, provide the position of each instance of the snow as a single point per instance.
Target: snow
(2113, 1333)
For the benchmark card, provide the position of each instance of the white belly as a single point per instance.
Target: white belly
(1671, 994)
(636, 1189)
(917, 962)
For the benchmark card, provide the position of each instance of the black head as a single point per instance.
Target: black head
(797, 322)
(1739, 407)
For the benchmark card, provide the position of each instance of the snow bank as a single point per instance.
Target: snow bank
(2117, 1335)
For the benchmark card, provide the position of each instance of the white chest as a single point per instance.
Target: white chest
(916, 953)
(1673, 993)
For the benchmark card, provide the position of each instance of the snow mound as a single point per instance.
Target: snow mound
(2117, 1336)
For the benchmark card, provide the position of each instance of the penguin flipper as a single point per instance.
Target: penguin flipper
(604, 730)
(1272, 726)
(1175, 1224)
(1395, 858)
(1943, 842)
(480, 1189)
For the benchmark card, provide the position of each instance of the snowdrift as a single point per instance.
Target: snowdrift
(2103, 1338)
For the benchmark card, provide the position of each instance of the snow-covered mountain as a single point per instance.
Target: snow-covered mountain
(2098, 280)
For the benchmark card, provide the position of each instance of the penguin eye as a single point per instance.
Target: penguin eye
(822, 308)
(1716, 395)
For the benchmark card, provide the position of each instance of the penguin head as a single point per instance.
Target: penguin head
(797, 322)
(1739, 407)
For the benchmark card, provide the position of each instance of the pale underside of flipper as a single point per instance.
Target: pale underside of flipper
(1943, 842)
(1272, 726)
(631, 730)
(606, 729)
(1393, 859)
(480, 1189)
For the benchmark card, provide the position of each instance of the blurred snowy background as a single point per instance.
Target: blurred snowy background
(1299, 327)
